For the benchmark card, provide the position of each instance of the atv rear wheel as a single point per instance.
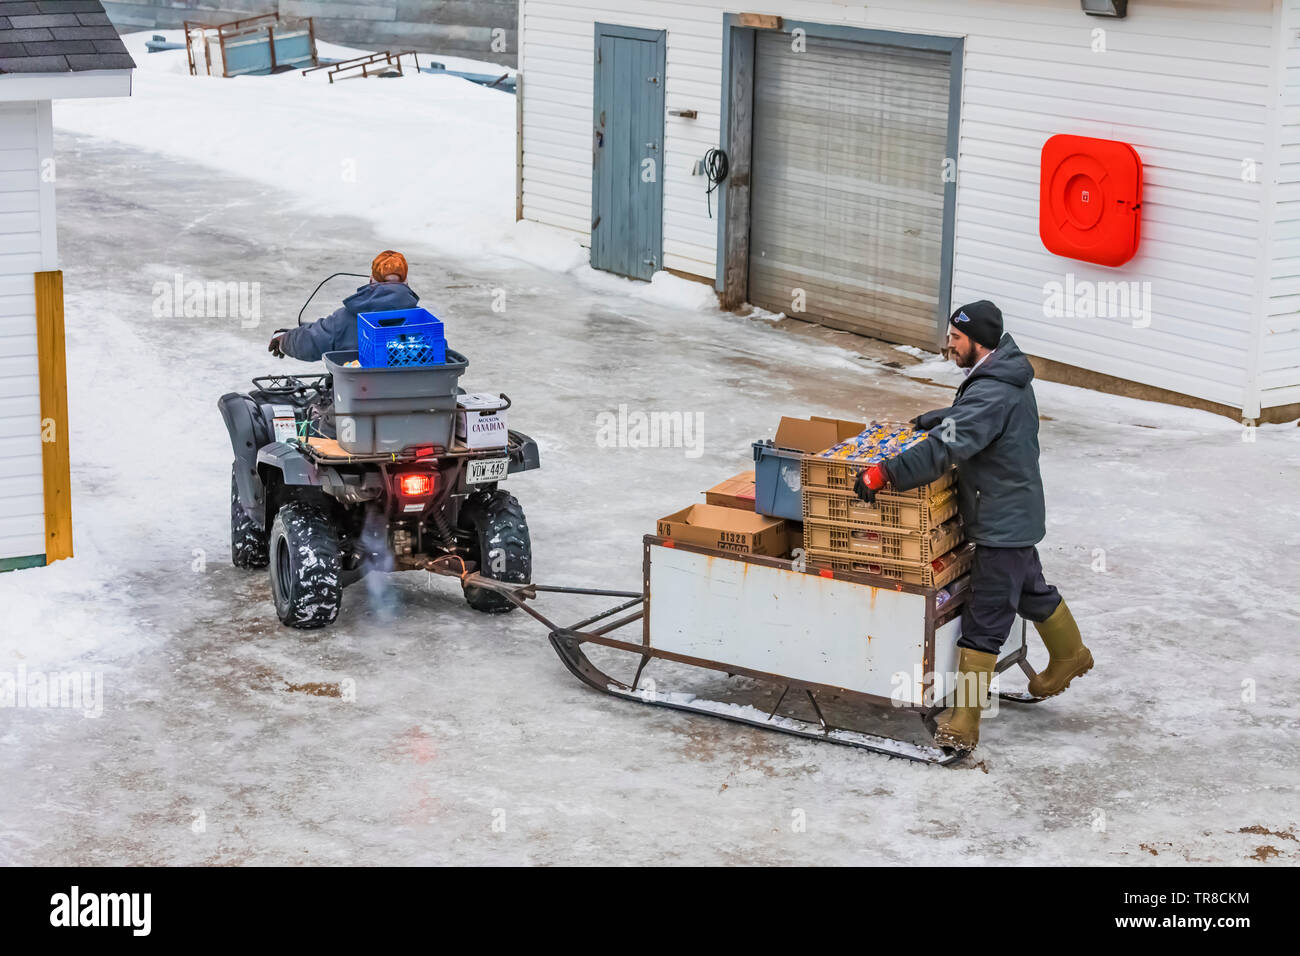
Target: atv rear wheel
(305, 567)
(501, 547)
(247, 540)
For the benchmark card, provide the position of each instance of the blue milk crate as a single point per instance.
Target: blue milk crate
(401, 337)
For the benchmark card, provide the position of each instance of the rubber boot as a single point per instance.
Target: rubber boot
(959, 727)
(1069, 657)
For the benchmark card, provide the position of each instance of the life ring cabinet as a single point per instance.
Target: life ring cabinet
(1090, 200)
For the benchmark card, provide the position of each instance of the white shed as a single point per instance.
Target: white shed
(885, 164)
(48, 49)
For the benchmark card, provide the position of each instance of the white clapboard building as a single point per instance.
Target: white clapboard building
(48, 51)
(884, 165)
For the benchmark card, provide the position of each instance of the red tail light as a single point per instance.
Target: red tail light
(415, 486)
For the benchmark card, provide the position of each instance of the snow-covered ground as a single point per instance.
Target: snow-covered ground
(418, 731)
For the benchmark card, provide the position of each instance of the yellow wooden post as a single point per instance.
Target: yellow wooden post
(55, 458)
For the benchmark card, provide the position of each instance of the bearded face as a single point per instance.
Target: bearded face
(961, 349)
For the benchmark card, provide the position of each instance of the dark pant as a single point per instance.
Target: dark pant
(1004, 582)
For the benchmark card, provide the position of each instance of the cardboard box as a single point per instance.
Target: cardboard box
(815, 434)
(794, 538)
(727, 529)
(736, 492)
(481, 421)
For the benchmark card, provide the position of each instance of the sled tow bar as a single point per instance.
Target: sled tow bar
(520, 594)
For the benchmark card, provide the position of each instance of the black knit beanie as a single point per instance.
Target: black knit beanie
(981, 321)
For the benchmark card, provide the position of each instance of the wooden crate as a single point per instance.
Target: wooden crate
(832, 474)
(892, 512)
(852, 543)
(950, 566)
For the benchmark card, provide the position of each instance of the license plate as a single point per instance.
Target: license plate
(486, 469)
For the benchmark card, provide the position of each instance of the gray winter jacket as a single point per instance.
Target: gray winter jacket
(338, 331)
(991, 433)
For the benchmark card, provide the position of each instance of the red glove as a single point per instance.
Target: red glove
(870, 480)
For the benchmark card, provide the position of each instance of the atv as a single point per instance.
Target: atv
(319, 514)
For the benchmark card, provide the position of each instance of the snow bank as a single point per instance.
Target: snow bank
(671, 290)
(63, 613)
(423, 157)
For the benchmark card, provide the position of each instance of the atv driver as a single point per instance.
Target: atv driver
(337, 332)
(321, 510)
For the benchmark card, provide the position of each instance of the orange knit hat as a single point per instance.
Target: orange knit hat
(388, 263)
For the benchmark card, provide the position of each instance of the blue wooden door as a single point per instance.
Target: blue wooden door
(627, 151)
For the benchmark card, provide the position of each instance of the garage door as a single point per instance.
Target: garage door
(847, 194)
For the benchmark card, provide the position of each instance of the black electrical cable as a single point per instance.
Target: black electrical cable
(322, 283)
(716, 166)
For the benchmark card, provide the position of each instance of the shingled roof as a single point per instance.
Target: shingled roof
(59, 36)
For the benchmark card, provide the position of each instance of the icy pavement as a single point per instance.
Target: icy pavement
(418, 731)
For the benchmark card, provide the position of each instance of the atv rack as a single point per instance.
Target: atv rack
(327, 451)
(792, 587)
(292, 385)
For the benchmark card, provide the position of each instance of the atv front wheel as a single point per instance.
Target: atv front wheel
(305, 567)
(501, 547)
(247, 540)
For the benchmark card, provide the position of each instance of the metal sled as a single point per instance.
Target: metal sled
(834, 643)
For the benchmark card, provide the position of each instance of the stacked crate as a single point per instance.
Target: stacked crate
(914, 537)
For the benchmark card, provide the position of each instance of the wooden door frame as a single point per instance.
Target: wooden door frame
(660, 39)
(736, 140)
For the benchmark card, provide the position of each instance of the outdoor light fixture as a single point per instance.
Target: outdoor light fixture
(1105, 8)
